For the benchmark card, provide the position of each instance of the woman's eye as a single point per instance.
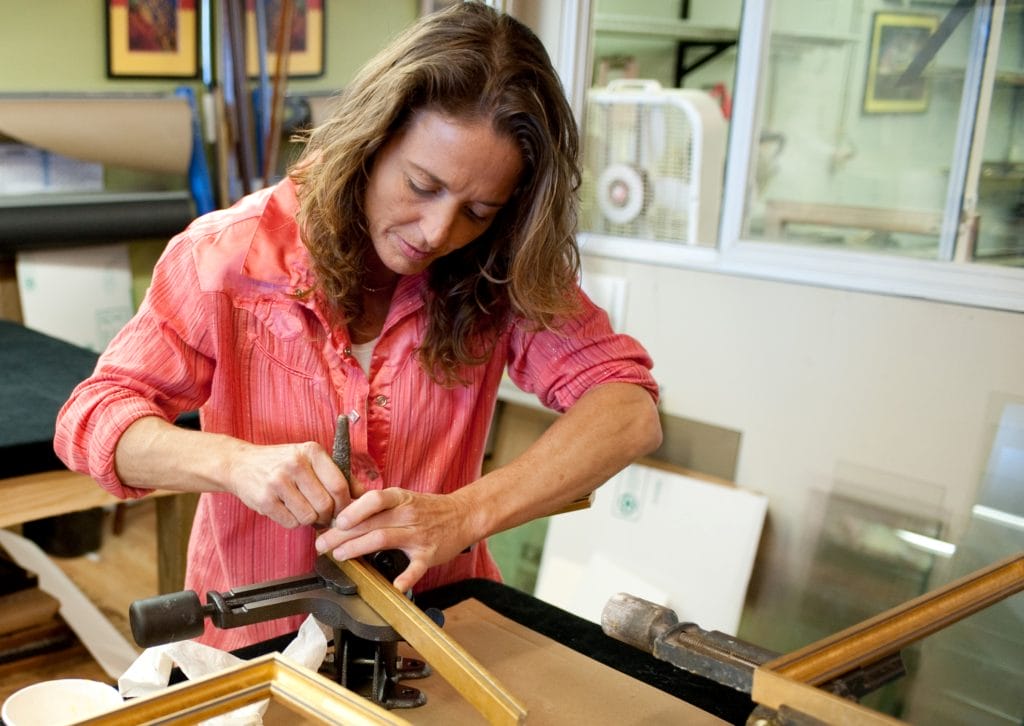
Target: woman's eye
(417, 189)
(474, 216)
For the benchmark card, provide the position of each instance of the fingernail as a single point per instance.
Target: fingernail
(320, 545)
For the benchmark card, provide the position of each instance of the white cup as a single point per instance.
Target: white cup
(60, 702)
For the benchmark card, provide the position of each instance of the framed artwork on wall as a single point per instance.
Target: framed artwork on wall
(896, 40)
(306, 44)
(152, 38)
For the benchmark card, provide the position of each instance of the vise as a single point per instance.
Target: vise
(364, 657)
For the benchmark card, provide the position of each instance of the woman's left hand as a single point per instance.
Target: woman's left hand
(429, 528)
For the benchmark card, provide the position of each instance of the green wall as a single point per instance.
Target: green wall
(60, 45)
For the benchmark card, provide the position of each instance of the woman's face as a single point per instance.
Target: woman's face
(435, 187)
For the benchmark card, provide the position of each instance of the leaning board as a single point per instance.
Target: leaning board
(677, 539)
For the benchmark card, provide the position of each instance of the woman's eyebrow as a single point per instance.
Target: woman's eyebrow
(433, 179)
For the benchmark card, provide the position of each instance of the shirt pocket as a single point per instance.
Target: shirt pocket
(280, 338)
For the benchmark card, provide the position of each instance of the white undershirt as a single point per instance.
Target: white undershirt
(363, 352)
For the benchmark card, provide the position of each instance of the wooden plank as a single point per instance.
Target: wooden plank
(50, 493)
(458, 667)
(775, 691)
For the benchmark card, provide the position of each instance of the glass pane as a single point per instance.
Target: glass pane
(855, 146)
(1001, 185)
(648, 146)
(971, 672)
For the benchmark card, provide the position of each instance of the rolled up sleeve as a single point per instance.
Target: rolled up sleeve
(560, 365)
(151, 368)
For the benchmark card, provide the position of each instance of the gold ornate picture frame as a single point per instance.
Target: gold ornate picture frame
(272, 677)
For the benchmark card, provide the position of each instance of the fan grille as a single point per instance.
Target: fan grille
(637, 169)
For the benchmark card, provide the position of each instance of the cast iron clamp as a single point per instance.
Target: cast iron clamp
(364, 657)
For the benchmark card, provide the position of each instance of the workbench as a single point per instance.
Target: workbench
(571, 631)
(38, 374)
(588, 639)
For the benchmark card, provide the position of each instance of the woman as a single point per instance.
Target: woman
(421, 245)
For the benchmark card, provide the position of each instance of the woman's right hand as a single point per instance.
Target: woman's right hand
(294, 484)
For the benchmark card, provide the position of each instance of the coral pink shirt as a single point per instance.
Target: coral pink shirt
(229, 327)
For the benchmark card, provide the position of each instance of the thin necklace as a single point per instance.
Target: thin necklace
(380, 289)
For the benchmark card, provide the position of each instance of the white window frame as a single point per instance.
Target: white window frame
(947, 280)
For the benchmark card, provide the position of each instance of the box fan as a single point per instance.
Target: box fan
(652, 163)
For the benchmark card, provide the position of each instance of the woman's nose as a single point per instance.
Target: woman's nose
(437, 224)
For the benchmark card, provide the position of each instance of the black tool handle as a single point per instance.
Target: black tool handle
(166, 618)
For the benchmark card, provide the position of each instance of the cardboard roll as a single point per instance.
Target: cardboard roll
(620, 193)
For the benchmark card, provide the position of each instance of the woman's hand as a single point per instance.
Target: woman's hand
(430, 529)
(293, 484)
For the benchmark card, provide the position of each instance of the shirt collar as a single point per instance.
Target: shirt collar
(276, 253)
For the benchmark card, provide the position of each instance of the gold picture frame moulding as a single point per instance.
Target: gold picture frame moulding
(792, 681)
(272, 676)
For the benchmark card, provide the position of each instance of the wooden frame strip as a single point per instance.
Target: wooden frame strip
(268, 677)
(792, 679)
(774, 690)
(894, 629)
(459, 668)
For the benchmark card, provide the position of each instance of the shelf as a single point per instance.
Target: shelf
(663, 28)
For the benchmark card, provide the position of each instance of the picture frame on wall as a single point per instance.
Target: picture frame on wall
(306, 48)
(152, 38)
(896, 40)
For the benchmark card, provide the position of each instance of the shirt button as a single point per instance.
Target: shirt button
(381, 400)
(347, 351)
(372, 474)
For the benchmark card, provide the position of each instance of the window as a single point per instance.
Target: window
(871, 146)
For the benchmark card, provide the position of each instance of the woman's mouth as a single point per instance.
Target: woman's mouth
(411, 252)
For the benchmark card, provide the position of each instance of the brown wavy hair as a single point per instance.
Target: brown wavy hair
(468, 62)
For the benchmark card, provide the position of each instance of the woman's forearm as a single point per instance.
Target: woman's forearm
(293, 484)
(607, 429)
(155, 454)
